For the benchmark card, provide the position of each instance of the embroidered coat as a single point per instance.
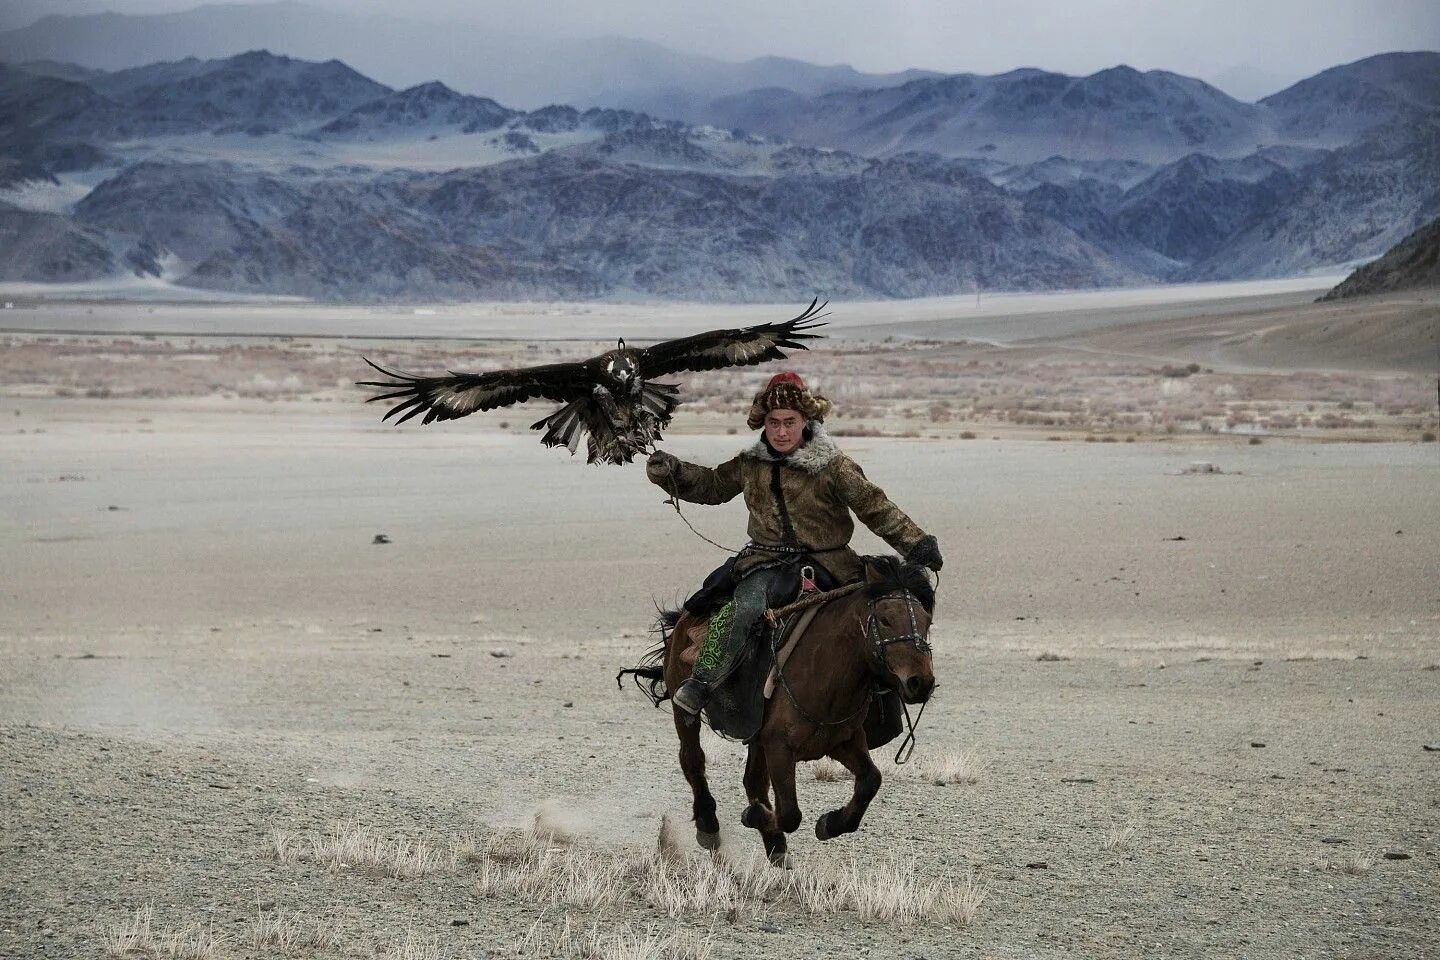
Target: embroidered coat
(802, 500)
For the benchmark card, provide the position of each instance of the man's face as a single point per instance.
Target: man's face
(785, 429)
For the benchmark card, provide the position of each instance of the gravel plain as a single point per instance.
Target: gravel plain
(1198, 704)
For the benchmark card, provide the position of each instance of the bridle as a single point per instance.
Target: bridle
(878, 644)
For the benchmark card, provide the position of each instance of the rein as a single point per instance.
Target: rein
(810, 600)
(674, 501)
(775, 635)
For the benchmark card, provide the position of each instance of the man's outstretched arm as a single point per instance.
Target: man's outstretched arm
(692, 482)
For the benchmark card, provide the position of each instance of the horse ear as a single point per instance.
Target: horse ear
(872, 573)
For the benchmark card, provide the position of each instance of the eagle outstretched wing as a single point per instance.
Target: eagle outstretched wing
(732, 348)
(460, 394)
(613, 398)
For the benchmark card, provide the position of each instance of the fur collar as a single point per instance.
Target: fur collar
(815, 455)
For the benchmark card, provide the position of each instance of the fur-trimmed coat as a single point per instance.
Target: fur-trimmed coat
(801, 500)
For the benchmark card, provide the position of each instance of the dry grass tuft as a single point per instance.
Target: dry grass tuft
(348, 846)
(1355, 864)
(962, 767)
(506, 847)
(411, 948)
(553, 875)
(137, 938)
(291, 934)
(892, 891)
(676, 884)
(132, 938)
(536, 867)
(285, 846)
(1120, 837)
(958, 903)
(624, 943)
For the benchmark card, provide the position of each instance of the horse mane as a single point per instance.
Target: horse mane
(896, 574)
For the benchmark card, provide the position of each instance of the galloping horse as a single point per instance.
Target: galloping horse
(875, 636)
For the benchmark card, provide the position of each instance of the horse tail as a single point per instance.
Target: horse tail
(649, 673)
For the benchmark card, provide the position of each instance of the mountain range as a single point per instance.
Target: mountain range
(522, 70)
(1119, 113)
(272, 174)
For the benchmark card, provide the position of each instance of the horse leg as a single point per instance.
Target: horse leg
(855, 755)
(785, 818)
(758, 815)
(692, 762)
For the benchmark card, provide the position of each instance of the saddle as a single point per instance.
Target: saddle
(884, 719)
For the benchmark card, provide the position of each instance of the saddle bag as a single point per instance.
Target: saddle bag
(885, 720)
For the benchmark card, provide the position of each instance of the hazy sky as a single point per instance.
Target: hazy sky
(1286, 38)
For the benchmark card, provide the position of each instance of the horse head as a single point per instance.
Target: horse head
(897, 628)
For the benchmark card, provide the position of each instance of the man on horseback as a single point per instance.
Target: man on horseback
(800, 490)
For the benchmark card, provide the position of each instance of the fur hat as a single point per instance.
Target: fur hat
(786, 391)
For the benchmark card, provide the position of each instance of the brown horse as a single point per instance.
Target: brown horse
(873, 637)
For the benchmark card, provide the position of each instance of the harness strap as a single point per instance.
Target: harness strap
(783, 653)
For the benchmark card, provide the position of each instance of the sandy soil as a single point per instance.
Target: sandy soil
(1210, 743)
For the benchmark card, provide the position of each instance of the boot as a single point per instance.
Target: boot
(692, 695)
(726, 647)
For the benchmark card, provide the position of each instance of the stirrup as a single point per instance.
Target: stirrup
(691, 696)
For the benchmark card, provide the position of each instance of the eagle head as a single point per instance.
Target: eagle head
(621, 366)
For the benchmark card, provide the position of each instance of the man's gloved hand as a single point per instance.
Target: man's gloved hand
(926, 553)
(661, 466)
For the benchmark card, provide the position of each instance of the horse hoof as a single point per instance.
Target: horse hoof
(822, 828)
(753, 816)
(707, 841)
(781, 860)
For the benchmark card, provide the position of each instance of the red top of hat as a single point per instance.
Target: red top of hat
(786, 376)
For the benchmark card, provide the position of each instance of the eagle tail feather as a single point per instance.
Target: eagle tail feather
(563, 427)
(659, 399)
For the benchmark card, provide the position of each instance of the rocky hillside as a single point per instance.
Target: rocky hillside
(1352, 206)
(1413, 263)
(1336, 106)
(260, 173)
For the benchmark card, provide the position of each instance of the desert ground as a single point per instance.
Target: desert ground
(1186, 642)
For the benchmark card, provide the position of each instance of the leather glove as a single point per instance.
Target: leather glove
(661, 467)
(926, 553)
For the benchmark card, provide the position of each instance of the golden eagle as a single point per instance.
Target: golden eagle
(610, 397)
